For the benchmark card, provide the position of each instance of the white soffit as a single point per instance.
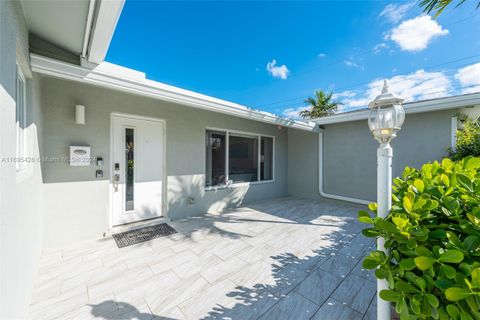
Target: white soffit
(119, 78)
(438, 104)
(61, 23)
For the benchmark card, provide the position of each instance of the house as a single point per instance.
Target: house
(86, 145)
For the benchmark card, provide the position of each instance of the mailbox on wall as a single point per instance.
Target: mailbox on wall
(79, 156)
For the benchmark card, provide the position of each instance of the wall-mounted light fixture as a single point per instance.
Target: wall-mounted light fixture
(80, 114)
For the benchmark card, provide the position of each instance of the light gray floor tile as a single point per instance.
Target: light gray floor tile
(356, 292)
(318, 286)
(232, 265)
(291, 307)
(334, 310)
(339, 265)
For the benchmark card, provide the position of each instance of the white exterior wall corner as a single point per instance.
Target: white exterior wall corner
(21, 197)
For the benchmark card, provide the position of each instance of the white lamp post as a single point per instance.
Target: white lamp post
(385, 120)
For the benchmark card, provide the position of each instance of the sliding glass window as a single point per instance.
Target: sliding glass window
(216, 165)
(235, 158)
(242, 158)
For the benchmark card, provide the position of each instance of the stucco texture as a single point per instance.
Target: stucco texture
(77, 202)
(349, 154)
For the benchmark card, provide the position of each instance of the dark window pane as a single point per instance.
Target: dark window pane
(266, 159)
(129, 173)
(216, 147)
(243, 158)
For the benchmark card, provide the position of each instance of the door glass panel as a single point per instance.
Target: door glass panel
(129, 169)
(266, 159)
(215, 158)
(243, 158)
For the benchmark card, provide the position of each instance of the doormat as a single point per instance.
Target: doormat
(128, 238)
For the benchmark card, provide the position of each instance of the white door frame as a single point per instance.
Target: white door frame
(110, 165)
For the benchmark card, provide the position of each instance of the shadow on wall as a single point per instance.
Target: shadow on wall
(187, 197)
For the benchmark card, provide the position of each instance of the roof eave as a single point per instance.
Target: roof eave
(444, 103)
(158, 91)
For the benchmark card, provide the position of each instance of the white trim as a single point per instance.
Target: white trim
(410, 107)
(88, 27)
(230, 184)
(320, 177)
(106, 20)
(157, 90)
(164, 182)
(454, 128)
(20, 126)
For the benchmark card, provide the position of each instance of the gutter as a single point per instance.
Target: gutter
(320, 177)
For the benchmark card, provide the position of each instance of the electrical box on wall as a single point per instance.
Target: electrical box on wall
(79, 156)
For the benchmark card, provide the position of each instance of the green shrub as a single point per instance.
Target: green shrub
(433, 234)
(467, 141)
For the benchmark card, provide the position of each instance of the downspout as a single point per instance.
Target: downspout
(320, 176)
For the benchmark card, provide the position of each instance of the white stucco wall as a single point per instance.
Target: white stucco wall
(21, 195)
(76, 203)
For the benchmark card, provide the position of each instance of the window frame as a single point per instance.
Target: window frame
(229, 183)
(20, 125)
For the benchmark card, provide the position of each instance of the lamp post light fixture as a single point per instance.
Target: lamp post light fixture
(385, 120)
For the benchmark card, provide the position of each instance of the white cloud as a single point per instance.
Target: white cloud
(321, 55)
(469, 77)
(416, 34)
(292, 113)
(379, 47)
(416, 86)
(277, 71)
(350, 63)
(395, 12)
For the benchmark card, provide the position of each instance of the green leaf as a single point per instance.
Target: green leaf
(389, 295)
(432, 300)
(381, 273)
(386, 226)
(424, 263)
(370, 232)
(447, 164)
(415, 305)
(465, 181)
(476, 278)
(400, 222)
(419, 185)
(471, 163)
(370, 263)
(451, 203)
(407, 264)
(471, 243)
(456, 294)
(364, 217)
(451, 256)
(448, 271)
(372, 206)
(453, 311)
(407, 204)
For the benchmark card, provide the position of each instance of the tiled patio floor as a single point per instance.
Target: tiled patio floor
(287, 258)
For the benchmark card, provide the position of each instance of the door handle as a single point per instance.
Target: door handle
(116, 180)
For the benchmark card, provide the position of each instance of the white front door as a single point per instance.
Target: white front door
(137, 180)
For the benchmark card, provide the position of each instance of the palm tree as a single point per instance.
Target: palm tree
(320, 105)
(438, 5)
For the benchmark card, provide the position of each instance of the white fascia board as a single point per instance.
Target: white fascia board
(105, 22)
(157, 90)
(410, 107)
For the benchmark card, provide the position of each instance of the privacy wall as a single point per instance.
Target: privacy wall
(21, 192)
(349, 154)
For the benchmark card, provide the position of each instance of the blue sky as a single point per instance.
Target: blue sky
(271, 55)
